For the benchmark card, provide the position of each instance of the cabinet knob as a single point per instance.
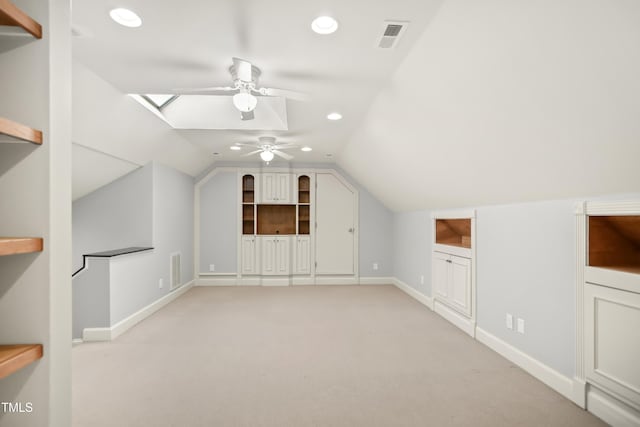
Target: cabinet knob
(351, 230)
(449, 261)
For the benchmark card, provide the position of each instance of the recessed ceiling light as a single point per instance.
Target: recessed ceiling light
(235, 148)
(334, 116)
(126, 17)
(324, 25)
(305, 149)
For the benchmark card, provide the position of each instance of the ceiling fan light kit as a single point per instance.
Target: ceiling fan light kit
(125, 17)
(267, 155)
(244, 101)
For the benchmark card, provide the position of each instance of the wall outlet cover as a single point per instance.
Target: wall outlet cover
(509, 321)
(521, 326)
(375, 265)
(422, 280)
(160, 284)
(212, 267)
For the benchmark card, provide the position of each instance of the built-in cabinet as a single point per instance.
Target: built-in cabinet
(276, 188)
(452, 281)
(453, 268)
(608, 292)
(279, 223)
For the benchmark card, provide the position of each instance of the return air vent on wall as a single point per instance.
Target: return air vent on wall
(391, 33)
(174, 273)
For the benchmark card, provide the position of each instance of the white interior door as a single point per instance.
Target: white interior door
(335, 233)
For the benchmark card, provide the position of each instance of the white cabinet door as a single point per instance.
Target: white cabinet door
(441, 275)
(302, 255)
(249, 254)
(612, 340)
(275, 188)
(268, 255)
(460, 284)
(452, 281)
(283, 255)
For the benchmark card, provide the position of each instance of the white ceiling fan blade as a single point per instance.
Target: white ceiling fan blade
(284, 146)
(252, 153)
(247, 116)
(214, 90)
(243, 69)
(290, 94)
(283, 155)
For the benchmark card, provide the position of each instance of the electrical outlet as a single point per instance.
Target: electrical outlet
(375, 265)
(212, 267)
(422, 280)
(521, 326)
(160, 284)
(509, 321)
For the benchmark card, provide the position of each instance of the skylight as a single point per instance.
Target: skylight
(159, 101)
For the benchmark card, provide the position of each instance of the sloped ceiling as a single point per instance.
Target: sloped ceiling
(507, 101)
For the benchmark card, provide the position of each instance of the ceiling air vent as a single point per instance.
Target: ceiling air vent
(392, 31)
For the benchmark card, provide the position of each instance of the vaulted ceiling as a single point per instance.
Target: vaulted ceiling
(490, 101)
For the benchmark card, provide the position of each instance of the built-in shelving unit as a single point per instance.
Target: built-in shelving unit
(12, 16)
(454, 232)
(15, 357)
(304, 203)
(276, 219)
(11, 131)
(248, 204)
(614, 242)
(19, 245)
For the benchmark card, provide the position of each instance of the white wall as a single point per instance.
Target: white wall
(115, 216)
(412, 236)
(506, 101)
(219, 223)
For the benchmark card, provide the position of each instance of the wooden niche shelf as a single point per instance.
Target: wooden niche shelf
(11, 131)
(276, 219)
(15, 357)
(20, 245)
(454, 232)
(614, 242)
(12, 16)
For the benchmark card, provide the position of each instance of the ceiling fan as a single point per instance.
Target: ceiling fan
(245, 88)
(268, 148)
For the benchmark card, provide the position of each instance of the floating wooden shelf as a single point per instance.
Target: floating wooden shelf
(15, 357)
(20, 245)
(11, 131)
(14, 17)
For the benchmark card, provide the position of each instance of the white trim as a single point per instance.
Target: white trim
(420, 297)
(539, 370)
(217, 281)
(275, 281)
(610, 410)
(624, 207)
(377, 280)
(454, 214)
(76, 342)
(113, 332)
(466, 324)
(302, 281)
(336, 280)
(218, 274)
(579, 396)
(453, 250)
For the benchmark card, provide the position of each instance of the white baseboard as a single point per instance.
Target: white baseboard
(336, 280)
(424, 299)
(275, 281)
(217, 281)
(611, 410)
(579, 395)
(466, 324)
(303, 281)
(376, 280)
(554, 379)
(111, 333)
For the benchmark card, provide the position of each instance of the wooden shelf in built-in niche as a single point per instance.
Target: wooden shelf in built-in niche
(304, 200)
(276, 219)
(17, 356)
(454, 232)
(11, 131)
(12, 16)
(248, 207)
(614, 242)
(20, 245)
(303, 219)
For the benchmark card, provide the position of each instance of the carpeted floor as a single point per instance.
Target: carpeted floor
(305, 356)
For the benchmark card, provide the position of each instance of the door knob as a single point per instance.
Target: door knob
(351, 230)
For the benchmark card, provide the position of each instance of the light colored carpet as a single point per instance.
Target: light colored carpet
(305, 356)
